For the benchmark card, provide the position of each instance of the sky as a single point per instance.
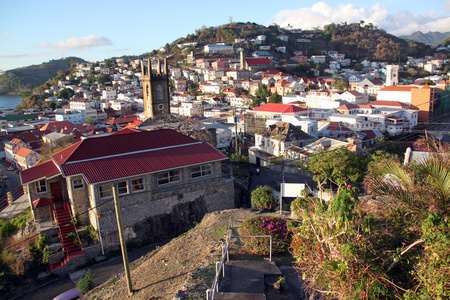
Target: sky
(33, 32)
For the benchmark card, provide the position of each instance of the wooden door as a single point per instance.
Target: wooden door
(56, 192)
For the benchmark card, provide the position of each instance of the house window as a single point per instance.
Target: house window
(168, 177)
(122, 188)
(77, 184)
(137, 185)
(41, 186)
(105, 191)
(200, 171)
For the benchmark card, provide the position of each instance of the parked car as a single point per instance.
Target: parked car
(10, 168)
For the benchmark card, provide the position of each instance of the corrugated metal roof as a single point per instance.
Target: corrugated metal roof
(44, 170)
(143, 163)
(120, 144)
(125, 154)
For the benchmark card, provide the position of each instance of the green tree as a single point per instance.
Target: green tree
(337, 167)
(262, 198)
(89, 120)
(262, 92)
(341, 84)
(103, 78)
(275, 98)
(66, 93)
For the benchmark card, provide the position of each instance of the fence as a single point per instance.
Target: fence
(220, 265)
(16, 193)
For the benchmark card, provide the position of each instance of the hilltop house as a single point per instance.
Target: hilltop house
(165, 182)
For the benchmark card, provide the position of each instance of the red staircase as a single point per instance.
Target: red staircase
(65, 224)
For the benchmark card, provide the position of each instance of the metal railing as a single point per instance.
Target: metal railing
(220, 265)
(16, 193)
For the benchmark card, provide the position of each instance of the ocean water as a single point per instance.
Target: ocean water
(9, 101)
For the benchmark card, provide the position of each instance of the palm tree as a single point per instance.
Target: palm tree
(424, 184)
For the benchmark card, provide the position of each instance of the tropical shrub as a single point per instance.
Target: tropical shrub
(396, 246)
(86, 283)
(274, 226)
(262, 198)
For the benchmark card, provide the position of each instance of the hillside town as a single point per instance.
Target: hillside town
(159, 130)
(222, 93)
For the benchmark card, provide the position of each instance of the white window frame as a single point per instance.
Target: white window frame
(169, 177)
(41, 188)
(103, 194)
(122, 190)
(77, 184)
(137, 182)
(201, 171)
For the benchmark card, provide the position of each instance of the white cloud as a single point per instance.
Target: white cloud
(5, 33)
(446, 6)
(82, 43)
(404, 22)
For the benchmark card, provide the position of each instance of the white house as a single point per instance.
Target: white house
(109, 94)
(76, 117)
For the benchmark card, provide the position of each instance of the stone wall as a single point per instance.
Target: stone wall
(165, 213)
(91, 253)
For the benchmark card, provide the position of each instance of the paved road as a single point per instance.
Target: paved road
(12, 181)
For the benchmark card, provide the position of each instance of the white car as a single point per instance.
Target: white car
(10, 168)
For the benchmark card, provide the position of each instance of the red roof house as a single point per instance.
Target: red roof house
(156, 173)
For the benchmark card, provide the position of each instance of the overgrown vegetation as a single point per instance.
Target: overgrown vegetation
(86, 283)
(274, 226)
(9, 227)
(348, 250)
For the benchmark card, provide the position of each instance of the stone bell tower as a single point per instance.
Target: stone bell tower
(155, 90)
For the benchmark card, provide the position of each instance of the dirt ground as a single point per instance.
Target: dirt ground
(182, 269)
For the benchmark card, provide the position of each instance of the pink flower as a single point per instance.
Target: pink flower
(311, 213)
(403, 244)
(349, 186)
(351, 198)
(362, 295)
(314, 204)
(336, 254)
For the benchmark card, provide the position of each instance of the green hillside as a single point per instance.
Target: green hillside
(27, 78)
(358, 41)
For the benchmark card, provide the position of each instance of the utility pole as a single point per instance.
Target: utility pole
(236, 136)
(123, 245)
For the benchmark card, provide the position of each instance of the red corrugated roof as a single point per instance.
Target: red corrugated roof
(279, 108)
(127, 153)
(44, 170)
(143, 163)
(258, 61)
(118, 144)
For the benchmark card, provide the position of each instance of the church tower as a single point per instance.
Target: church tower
(155, 90)
(391, 75)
